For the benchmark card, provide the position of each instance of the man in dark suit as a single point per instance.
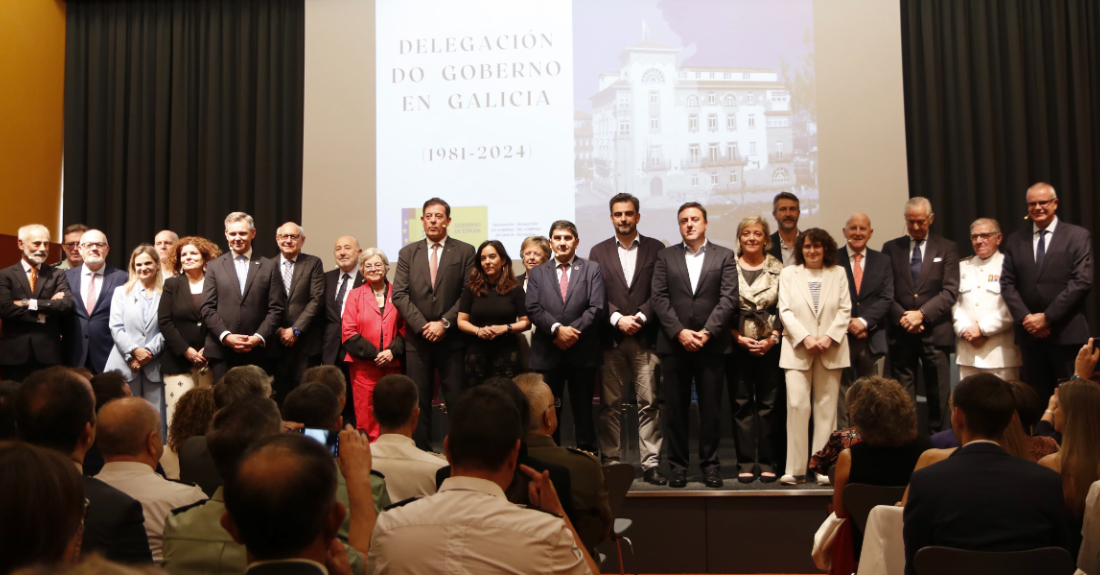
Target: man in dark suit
(88, 341)
(34, 300)
(871, 287)
(242, 302)
(426, 289)
(981, 498)
(926, 284)
(629, 336)
(302, 327)
(338, 284)
(1045, 281)
(785, 210)
(56, 410)
(565, 299)
(695, 300)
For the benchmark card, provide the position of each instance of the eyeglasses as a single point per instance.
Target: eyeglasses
(97, 245)
(919, 222)
(1042, 204)
(983, 237)
(71, 245)
(557, 402)
(374, 266)
(282, 237)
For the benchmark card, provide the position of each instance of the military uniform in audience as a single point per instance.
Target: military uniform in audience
(589, 490)
(410, 471)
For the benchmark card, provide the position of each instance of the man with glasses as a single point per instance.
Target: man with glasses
(982, 321)
(926, 285)
(88, 340)
(70, 247)
(1046, 281)
(302, 326)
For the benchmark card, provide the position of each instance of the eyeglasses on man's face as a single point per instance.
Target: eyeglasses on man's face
(96, 245)
(1042, 204)
(983, 237)
(282, 237)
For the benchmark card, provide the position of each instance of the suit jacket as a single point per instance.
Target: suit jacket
(584, 305)
(114, 524)
(966, 502)
(305, 307)
(131, 330)
(258, 311)
(21, 336)
(713, 305)
(333, 346)
(90, 337)
(627, 300)
(181, 325)
(1059, 289)
(935, 293)
(367, 330)
(796, 309)
(875, 297)
(419, 302)
(776, 250)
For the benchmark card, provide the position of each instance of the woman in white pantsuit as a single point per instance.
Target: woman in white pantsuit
(815, 308)
(134, 327)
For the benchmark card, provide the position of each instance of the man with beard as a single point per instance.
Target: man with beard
(34, 298)
(785, 210)
(88, 340)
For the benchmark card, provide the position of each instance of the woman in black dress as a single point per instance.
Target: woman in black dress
(491, 310)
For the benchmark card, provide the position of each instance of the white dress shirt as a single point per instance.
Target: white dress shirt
(85, 277)
(1049, 236)
(980, 302)
(628, 258)
(439, 256)
(787, 252)
(351, 285)
(470, 527)
(409, 471)
(158, 496)
(695, 263)
(913, 243)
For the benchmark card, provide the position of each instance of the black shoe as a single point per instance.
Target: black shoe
(746, 477)
(654, 477)
(679, 479)
(768, 478)
(712, 479)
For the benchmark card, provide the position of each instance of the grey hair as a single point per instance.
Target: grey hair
(301, 230)
(919, 201)
(1044, 186)
(238, 216)
(370, 253)
(26, 231)
(986, 221)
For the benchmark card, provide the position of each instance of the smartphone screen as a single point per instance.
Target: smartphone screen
(328, 437)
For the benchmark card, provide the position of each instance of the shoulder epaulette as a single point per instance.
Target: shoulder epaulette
(182, 482)
(541, 511)
(179, 510)
(401, 503)
(581, 451)
(378, 473)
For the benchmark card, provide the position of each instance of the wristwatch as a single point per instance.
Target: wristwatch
(297, 332)
(26, 302)
(509, 328)
(446, 324)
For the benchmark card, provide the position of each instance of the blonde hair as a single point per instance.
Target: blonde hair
(150, 251)
(539, 241)
(754, 221)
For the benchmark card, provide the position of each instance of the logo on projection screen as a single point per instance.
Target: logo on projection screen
(469, 224)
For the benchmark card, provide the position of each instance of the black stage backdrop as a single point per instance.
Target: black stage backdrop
(179, 112)
(1000, 94)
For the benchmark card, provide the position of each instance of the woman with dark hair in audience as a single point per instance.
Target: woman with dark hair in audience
(180, 316)
(1017, 439)
(815, 309)
(1079, 459)
(491, 311)
(824, 462)
(109, 386)
(41, 505)
(194, 412)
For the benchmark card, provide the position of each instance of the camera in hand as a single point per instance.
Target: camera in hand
(330, 438)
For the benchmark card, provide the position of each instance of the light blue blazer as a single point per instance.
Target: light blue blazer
(131, 330)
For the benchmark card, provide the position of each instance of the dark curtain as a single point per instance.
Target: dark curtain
(178, 112)
(1000, 94)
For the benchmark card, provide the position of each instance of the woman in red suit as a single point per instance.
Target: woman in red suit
(373, 334)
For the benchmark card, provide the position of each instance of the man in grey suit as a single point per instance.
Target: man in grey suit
(242, 302)
(88, 342)
(426, 289)
(695, 300)
(302, 327)
(871, 287)
(565, 298)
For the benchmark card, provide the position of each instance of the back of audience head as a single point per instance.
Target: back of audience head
(331, 377)
(9, 394)
(883, 412)
(42, 505)
(239, 426)
(396, 403)
(109, 386)
(984, 407)
(281, 501)
(128, 429)
(1078, 408)
(56, 409)
(1016, 437)
(93, 565)
(485, 431)
(313, 405)
(83, 372)
(194, 412)
(240, 382)
(542, 416)
(512, 391)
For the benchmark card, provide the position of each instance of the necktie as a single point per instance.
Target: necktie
(89, 301)
(343, 290)
(857, 272)
(563, 283)
(915, 263)
(288, 274)
(242, 272)
(434, 267)
(1042, 249)
(34, 279)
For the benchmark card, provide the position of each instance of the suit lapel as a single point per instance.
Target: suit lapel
(1055, 244)
(827, 287)
(26, 283)
(106, 289)
(708, 260)
(74, 289)
(230, 267)
(574, 277)
(359, 280)
(842, 259)
(643, 255)
(253, 269)
(299, 269)
(804, 287)
(422, 262)
(927, 259)
(681, 266)
(901, 259)
(616, 265)
(870, 272)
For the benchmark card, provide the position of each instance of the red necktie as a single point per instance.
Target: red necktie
(563, 283)
(857, 271)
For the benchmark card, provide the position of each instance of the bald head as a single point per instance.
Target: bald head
(347, 252)
(163, 242)
(858, 231)
(94, 248)
(129, 429)
(290, 237)
(540, 398)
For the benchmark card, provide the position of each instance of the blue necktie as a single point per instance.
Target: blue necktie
(1041, 250)
(915, 263)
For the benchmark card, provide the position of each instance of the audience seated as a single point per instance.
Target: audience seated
(470, 510)
(128, 435)
(1078, 420)
(981, 498)
(56, 409)
(409, 471)
(1088, 558)
(107, 386)
(9, 392)
(331, 377)
(1018, 438)
(192, 416)
(824, 462)
(42, 506)
(585, 473)
(94, 565)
